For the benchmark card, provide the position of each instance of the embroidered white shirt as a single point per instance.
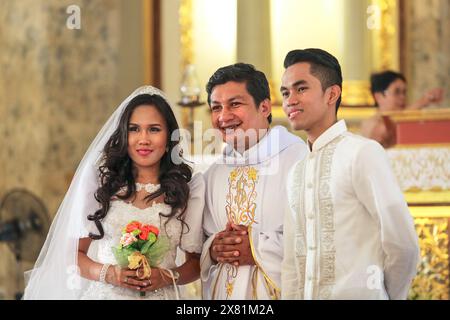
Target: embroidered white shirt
(348, 233)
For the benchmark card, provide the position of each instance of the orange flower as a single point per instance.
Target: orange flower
(154, 229)
(145, 229)
(133, 225)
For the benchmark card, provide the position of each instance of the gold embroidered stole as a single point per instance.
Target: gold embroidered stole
(240, 209)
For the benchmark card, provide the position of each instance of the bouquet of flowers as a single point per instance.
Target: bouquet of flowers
(140, 248)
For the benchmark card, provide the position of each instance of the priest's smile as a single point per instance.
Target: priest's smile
(230, 128)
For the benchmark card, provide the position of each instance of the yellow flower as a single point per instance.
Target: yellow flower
(134, 260)
(252, 174)
(229, 288)
(233, 175)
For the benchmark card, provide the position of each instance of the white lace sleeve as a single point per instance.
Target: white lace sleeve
(192, 241)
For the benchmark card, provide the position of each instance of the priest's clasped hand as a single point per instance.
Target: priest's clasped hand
(232, 246)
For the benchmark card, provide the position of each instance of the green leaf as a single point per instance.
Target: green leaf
(151, 237)
(155, 254)
(121, 255)
(146, 247)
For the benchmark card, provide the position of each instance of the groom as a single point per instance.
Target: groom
(348, 233)
(245, 190)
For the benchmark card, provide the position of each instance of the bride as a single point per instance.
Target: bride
(133, 171)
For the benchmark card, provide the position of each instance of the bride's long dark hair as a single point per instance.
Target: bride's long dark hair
(117, 168)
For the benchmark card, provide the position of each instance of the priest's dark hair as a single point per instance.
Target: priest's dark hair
(324, 66)
(255, 82)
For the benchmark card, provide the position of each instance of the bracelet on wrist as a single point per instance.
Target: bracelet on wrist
(103, 271)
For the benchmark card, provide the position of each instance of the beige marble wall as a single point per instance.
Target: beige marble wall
(57, 88)
(428, 46)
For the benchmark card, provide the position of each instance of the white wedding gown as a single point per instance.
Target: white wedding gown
(120, 214)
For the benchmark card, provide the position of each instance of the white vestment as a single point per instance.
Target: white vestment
(249, 189)
(348, 232)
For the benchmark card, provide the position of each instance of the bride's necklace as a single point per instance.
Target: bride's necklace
(149, 187)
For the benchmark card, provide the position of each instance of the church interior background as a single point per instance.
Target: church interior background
(66, 65)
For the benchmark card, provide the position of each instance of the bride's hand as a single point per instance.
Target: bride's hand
(158, 279)
(124, 277)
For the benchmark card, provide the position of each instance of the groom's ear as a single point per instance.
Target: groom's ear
(335, 93)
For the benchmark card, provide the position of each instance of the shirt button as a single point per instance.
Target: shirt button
(312, 248)
(310, 216)
(309, 185)
(310, 278)
(311, 155)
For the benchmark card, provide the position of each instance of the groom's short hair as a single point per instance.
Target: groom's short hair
(324, 66)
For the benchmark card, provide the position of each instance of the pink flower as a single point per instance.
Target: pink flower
(127, 239)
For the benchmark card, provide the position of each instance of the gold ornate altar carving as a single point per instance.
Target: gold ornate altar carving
(421, 163)
(424, 176)
(422, 169)
(432, 280)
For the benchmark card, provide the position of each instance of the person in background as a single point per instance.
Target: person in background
(389, 90)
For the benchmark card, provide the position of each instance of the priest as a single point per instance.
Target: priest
(245, 189)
